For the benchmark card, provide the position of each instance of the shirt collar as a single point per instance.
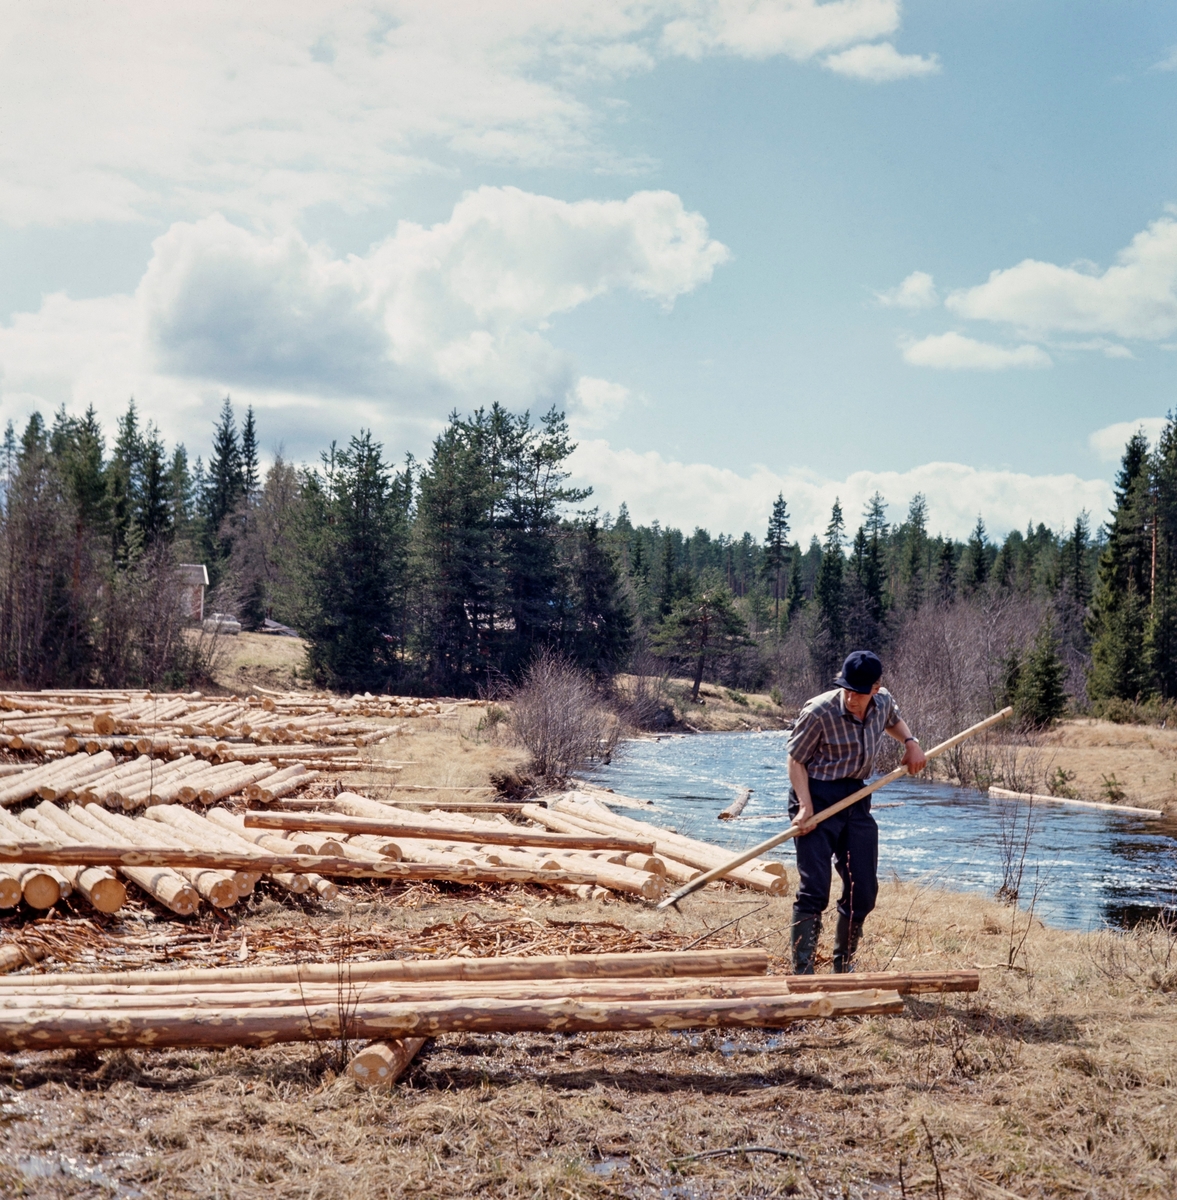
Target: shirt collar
(848, 714)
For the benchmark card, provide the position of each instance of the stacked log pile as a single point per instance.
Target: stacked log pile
(396, 1001)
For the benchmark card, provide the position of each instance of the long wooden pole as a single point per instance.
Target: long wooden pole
(719, 872)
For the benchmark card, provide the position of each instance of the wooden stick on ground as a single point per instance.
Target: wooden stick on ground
(793, 830)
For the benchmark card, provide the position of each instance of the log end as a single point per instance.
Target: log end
(40, 890)
(108, 895)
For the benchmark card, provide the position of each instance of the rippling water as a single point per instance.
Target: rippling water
(1092, 867)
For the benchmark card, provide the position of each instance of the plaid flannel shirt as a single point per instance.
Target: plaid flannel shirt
(834, 744)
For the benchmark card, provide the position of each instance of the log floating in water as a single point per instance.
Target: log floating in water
(410, 827)
(49, 1029)
(737, 806)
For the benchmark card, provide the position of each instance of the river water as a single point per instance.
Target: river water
(1089, 867)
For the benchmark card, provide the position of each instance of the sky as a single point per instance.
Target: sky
(749, 246)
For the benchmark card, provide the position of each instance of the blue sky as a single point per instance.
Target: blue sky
(749, 246)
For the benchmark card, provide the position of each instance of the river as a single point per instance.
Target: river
(1088, 867)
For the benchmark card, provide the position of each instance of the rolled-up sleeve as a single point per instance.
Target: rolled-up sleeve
(894, 716)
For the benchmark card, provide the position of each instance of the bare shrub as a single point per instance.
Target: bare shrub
(948, 672)
(559, 719)
(1145, 955)
(643, 701)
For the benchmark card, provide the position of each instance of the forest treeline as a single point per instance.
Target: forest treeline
(448, 575)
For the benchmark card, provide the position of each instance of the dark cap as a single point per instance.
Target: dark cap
(860, 672)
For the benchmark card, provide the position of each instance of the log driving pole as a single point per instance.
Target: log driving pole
(793, 830)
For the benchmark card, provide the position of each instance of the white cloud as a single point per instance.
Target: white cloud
(721, 500)
(799, 29)
(122, 110)
(881, 63)
(429, 318)
(955, 352)
(596, 403)
(918, 290)
(1108, 443)
(1135, 298)
(1169, 62)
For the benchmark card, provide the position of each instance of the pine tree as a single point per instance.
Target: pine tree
(701, 628)
(776, 547)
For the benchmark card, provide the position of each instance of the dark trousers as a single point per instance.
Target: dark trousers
(850, 839)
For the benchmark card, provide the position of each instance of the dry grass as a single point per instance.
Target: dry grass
(720, 709)
(252, 660)
(1141, 760)
(1058, 1079)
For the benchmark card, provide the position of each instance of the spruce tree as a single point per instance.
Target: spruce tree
(946, 566)
(250, 478)
(977, 568)
(155, 510)
(1040, 698)
(829, 590)
(915, 553)
(1123, 593)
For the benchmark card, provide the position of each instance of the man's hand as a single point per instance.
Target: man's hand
(804, 818)
(914, 759)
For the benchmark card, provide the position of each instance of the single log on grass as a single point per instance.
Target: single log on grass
(652, 964)
(381, 1064)
(347, 992)
(62, 1028)
(413, 827)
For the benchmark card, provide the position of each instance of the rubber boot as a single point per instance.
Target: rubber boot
(806, 931)
(847, 934)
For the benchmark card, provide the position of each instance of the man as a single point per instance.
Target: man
(831, 752)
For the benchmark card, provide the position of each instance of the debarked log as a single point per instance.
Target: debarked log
(646, 964)
(221, 860)
(349, 992)
(500, 835)
(55, 1028)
